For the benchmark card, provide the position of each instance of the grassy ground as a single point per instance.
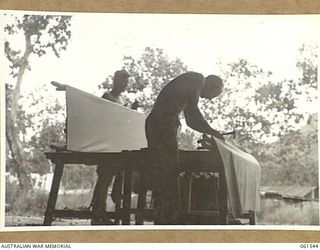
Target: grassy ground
(284, 212)
(273, 211)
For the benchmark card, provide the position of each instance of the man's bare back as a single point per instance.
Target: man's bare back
(182, 94)
(177, 94)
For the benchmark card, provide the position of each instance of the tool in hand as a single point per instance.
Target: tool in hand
(233, 133)
(207, 140)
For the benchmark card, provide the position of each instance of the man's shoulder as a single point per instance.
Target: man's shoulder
(193, 75)
(108, 96)
(105, 95)
(192, 79)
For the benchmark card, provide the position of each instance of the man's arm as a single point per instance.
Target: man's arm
(59, 86)
(135, 105)
(109, 97)
(196, 121)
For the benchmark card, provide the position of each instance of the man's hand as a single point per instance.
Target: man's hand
(135, 105)
(217, 134)
(59, 86)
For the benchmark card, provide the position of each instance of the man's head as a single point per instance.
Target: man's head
(120, 81)
(213, 87)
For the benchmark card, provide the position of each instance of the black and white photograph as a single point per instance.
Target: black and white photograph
(159, 121)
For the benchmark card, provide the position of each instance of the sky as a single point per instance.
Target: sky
(100, 41)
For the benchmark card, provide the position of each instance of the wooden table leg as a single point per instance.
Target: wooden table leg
(127, 196)
(223, 199)
(118, 185)
(252, 218)
(139, 217)
(53, 193)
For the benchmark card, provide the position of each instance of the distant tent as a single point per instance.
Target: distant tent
(290, 192)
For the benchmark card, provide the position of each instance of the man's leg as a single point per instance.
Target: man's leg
(99, 205)
(162, 139)
(167, 197)
(116, 193)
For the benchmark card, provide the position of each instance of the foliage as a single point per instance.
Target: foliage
(307, 63)
(76, 200)
(263, 111)
(267, 110)
(236, 109)
(149, 73)
(41, 125)
(187, 139)
(281, 212)
(292, 160)
(23, 122)
(41, 33)
(25, 202)
(49, 124)
(79, 177)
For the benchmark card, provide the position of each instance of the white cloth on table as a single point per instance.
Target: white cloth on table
(243, 175)
(97, 125)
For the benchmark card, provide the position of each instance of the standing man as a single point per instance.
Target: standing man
(120, 83)
(180, 94)
(106, 174)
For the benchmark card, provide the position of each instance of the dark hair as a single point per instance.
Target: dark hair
(121, 73)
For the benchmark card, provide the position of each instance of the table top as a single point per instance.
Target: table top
(202, 160)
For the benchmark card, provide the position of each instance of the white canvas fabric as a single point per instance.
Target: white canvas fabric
(243, 175)
(98, 125)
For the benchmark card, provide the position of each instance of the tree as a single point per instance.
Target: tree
(41, 34)
(307, 64)
(236, 108)
(268, 114)
(48, 120)
(149, 73)
(261, 110)
(23, 122)
(294, 158)
(42, 124)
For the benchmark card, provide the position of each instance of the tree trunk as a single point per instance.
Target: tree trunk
(13, 131)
